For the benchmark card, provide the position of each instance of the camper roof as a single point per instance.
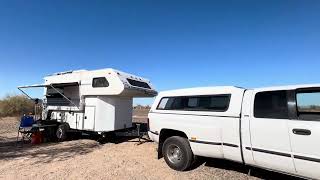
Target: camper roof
(118, 82)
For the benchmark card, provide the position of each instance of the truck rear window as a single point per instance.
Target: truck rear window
(196, 103)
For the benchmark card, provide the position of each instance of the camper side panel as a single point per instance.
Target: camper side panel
(105, 114)
(123, 113)
(113, 85)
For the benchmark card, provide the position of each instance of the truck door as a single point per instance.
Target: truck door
(270, 142)
(304, 131)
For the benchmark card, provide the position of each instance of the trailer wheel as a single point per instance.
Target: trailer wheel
(61, 132)
(177, 153)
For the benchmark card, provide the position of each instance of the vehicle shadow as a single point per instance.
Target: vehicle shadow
(7, 143)
(56, 151)
(234, 166)
(46, 152)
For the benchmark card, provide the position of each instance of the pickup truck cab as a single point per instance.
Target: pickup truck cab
(276, 128)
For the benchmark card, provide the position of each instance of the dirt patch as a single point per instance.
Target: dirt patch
(140, 115)
(8, 129)
(87, 159)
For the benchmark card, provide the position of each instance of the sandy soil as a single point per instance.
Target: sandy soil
(87, 159)
(140, 115)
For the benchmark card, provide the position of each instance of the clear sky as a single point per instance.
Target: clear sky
(176, 44)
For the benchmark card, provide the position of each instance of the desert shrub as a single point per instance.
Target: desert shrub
(15, 105)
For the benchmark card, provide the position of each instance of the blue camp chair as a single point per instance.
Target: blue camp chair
(25, 128)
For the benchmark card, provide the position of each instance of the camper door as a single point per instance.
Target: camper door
(89, 118)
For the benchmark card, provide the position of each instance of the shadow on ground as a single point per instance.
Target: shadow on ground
(233, 166)
(56, 151)
(46, 152)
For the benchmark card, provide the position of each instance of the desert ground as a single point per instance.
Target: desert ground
(84, 158)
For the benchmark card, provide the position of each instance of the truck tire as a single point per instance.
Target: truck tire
(61, 132)
(177, 153)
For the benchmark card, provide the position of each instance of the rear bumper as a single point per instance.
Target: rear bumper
(154, 136)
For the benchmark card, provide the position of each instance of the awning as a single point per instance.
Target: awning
(50, 85)
(53, 86)
(34, 86)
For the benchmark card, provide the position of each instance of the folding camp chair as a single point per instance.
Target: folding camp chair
(25, 128)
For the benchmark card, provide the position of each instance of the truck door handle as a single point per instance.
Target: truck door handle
(305, 132)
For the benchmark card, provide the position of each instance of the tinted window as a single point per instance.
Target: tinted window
(196, 103)
(100, 82)
(139, 83)
(272, 104)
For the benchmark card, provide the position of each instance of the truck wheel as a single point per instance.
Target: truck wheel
(177, 153)
(61, 132)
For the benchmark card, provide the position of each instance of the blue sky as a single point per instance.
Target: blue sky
(176, 44)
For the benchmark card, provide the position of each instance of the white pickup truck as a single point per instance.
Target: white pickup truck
(276, 128)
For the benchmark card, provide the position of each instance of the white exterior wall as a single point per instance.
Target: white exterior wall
(74, 119)
(111, 113)
(245, 127)
(115, 84)
(101, 114)
(123, 113)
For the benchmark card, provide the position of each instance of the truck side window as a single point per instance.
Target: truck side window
(218, 103)
(271, 104)
(178, 103)
(166, 103)
(163, 103)
(308, 105)
(100, 82)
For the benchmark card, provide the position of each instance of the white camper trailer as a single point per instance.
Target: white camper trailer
(99, 100)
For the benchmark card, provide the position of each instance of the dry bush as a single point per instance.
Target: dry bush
(15, 105)
(138, 106)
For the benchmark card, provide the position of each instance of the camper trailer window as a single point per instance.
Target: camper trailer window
(139, 84)
(100, 82)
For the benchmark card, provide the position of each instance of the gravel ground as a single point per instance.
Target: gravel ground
(87, 159)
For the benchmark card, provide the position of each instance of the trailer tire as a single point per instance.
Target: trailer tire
(177, 153)
(61, 132)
